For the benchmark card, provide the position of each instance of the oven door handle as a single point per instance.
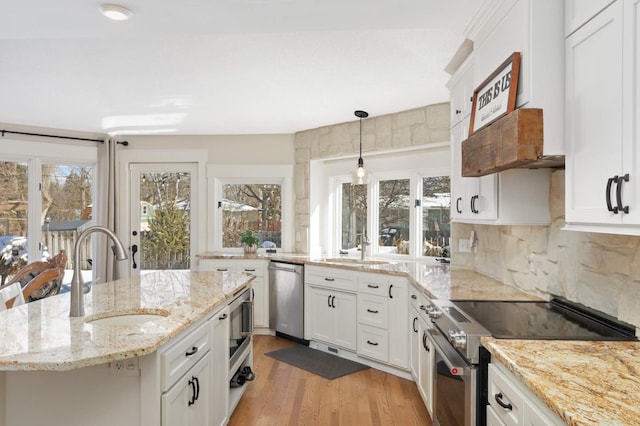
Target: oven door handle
(457, 365)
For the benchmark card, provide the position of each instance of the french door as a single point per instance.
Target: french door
(163, 216)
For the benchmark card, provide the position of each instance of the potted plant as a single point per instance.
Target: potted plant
(249, 241)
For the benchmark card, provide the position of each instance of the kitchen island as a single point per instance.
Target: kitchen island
(67, 370)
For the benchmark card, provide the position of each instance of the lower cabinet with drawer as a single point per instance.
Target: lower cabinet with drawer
(511, 403)
(382, 319)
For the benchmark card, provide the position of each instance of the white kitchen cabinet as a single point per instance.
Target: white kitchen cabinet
(602, 193)
(187, 403)
(330, 306)
(382, 316)
(511, 403)
(426, 358)
(461, 86)
(414, 333)
(219, 325)
(260, 284)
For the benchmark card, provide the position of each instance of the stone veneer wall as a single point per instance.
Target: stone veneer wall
(601, 271)
(415, 127)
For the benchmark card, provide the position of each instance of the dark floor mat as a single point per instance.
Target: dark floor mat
(317, 362)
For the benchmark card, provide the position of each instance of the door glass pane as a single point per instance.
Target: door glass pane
(66, 212)
(436, 209)
(393, 212)
(14, 205)
(165, 221)
(353, 214)
(255, 207)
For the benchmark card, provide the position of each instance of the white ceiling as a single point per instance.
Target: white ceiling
(223, 66)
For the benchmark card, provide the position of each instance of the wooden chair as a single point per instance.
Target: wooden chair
(39, 279)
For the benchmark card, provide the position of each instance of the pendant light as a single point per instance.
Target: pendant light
(360, 174)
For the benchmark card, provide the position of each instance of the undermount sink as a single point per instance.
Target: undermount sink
(132, 317)
(357, 261)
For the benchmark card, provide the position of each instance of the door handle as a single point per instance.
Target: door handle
(415, 329)
(192, 383)
(134, 250)
(610, 182)
(333, 301)
(458, 205)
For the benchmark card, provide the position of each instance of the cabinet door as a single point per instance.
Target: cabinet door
(318, 314)
(344, 319)
(260, 302)
(594, 116)
(398, 314)
(577, 12)
(188, 401)
(220, 374)
(425, 367)
(414, 342)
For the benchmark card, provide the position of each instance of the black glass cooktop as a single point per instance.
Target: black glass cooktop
(557, 319)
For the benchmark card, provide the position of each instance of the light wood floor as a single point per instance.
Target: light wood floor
(285, 395)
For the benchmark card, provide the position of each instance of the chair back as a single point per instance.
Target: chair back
(11, 295)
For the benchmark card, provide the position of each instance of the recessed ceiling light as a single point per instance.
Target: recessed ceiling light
(115, 12)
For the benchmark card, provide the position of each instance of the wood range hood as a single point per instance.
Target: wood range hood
(514, 141)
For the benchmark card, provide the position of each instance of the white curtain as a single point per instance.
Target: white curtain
(106, 211)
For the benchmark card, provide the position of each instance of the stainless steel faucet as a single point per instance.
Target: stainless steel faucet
(78, 288)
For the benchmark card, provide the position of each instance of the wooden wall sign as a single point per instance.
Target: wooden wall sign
(496, 96)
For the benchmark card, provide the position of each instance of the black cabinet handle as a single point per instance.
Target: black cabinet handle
(193, 395)
(222, 317)
(390, 295)
(330, 279)
(414, 297)
(372, 343)
(222, 269)
(415, 329)
(249, 270)
(625, 178)
(473, 204)
(424, 342)
(373, 286)
(610, 207)
(197, 387)
(193, 350)
(458, 111)
(333, 301)
(458, 204)
(372, 311)
(329, 301)
(498, 397)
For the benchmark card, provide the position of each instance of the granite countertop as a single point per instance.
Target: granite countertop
(436, 280)
(583, 382)
(41, 336)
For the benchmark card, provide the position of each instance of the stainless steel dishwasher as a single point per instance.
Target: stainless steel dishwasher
(286, 300)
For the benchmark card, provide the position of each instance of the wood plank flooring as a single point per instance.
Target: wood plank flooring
(285, 395)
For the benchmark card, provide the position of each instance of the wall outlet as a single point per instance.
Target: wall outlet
(464, 245)
(126, 367)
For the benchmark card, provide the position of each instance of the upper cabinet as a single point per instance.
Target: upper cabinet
(578, 12)
(535, 29)
(602, 114)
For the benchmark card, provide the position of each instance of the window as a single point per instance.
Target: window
(256, 198)
(394, 202)
(45, 202)
(354, 215)
(436, 214)
(251, 206)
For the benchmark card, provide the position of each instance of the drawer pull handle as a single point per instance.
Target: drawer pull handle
(222, 317)
(193, 350)
(373, 286)
(372, 343)
(372, 311)
(249, 270)
(330, 279)
(498, 397)
(222, 269)
(414, 297)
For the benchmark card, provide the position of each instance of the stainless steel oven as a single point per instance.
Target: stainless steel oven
(240, 325)
(455, 385)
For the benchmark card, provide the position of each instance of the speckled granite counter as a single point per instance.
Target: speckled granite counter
(440, 281)
(584, 382)
(41, 336)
